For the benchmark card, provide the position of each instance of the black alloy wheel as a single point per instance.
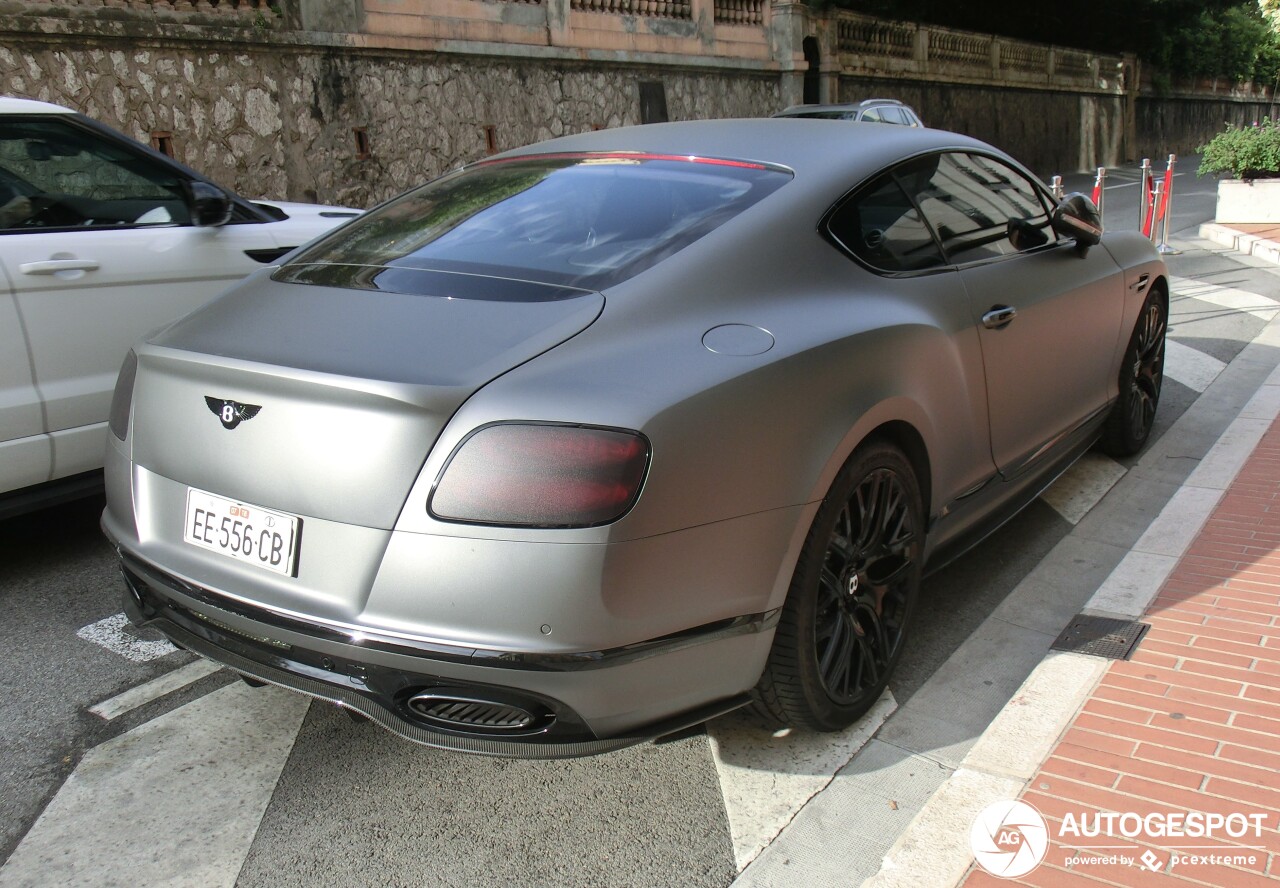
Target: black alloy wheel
(1141, 376)
(848, 611)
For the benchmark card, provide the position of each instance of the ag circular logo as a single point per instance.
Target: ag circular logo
(1009, 839)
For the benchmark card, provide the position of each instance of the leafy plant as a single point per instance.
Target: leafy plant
(1246, 152)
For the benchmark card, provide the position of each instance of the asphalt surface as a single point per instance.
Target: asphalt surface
(353, 805)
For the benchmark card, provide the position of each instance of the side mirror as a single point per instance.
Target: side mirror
(1076, 217)
(209, 205)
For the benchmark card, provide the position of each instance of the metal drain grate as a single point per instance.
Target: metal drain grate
(1101, 637)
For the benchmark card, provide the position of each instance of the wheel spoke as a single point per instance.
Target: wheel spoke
(837, 661)
(868, 497)
(871, 557)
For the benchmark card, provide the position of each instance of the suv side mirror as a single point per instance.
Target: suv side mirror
(1076, 217)
(209, 205)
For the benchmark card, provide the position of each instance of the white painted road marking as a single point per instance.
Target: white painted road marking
(1190, 366)
(111, 635)
(174, 802)
(767, 780)
(1083, 486)
(1261, 307)
(154, 689)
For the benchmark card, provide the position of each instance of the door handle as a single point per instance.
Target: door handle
(999, 317)
(53, 266)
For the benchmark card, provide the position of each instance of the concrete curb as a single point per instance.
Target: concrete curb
(1241, 242)
(934, 849)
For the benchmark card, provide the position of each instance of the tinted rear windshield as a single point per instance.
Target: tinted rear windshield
(582, 221)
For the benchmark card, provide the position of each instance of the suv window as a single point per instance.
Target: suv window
(980, 207)
(54, 174)
(882, 227)
(894, 115)
(875, 115)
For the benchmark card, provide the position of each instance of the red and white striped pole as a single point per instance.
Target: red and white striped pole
(1146, 199)
(1166, 209)
(1099, 184)
(1153, 220)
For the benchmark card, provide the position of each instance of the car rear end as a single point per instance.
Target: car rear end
(302, 487)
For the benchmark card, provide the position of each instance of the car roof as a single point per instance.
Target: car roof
(844, 106)
(15, 105)
(817, 150)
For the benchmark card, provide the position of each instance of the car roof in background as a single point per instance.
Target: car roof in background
(842, 106)
(14, 105)
(817, 150)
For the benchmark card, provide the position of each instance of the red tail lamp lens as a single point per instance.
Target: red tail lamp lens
(542, 476)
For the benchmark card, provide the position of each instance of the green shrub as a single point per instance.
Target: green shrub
(1246, 152)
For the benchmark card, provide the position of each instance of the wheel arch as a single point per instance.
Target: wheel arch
(907, 438)
(892, 422)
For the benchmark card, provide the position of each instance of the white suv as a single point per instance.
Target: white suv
(101, 240)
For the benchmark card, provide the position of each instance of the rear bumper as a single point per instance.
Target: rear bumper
(485, 702)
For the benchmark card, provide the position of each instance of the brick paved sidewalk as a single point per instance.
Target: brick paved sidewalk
(1191, 723)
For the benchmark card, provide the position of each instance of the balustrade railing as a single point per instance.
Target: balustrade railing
(674, 9)
(857, 33)
(229, 7)
(1023, 57)
(950, 46)
(864, 41)
(740, 12)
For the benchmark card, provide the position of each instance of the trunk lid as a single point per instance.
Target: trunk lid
(352, 388)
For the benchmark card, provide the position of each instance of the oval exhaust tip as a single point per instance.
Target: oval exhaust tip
(464, 713)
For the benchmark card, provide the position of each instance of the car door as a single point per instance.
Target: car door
(25, 453)
(942, 370)
(1047, 312)
(98, 247)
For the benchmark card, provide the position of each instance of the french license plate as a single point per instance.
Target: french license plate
(241, 531)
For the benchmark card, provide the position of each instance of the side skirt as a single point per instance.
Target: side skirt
(968, 521)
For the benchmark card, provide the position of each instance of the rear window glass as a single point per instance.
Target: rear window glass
(583, 220)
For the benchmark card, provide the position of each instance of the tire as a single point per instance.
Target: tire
(1141, 376)
(849, 608)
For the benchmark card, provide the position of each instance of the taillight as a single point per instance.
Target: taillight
(527, 475)
(122, 400)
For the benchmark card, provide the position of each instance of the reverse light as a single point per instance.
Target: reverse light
(541, 475)
(122, 399)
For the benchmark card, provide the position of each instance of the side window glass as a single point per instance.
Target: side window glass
(894, 115)
(874, 115)
(980, 208)
(880, 226)
(54, 174)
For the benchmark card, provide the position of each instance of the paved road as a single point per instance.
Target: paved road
(235, 786)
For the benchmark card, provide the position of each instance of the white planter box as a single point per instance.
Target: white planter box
(1242, 201)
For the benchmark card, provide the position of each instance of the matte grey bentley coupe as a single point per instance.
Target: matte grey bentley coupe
(590, 441)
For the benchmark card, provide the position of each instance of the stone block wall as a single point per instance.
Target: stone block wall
(1051, 132)
(279, 121)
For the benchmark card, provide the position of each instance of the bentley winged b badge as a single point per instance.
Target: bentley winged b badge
(231, 412)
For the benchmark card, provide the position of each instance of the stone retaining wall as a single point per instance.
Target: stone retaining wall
(279, 121)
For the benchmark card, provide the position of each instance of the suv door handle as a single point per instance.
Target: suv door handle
(53, 266)
(999, 317)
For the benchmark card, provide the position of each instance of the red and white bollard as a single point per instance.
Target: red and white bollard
(1165, 210)
(1099, 184)
(1146, 200)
